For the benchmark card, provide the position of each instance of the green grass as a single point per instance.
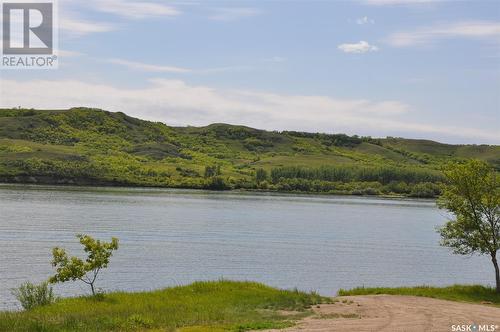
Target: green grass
(462, 293)
(202, 306)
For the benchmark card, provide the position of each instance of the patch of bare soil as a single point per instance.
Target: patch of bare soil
(398, 313)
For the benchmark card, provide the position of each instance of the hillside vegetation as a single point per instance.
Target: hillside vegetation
(94, 147)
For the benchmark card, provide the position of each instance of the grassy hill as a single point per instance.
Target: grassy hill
(214, 306)
(95, 147)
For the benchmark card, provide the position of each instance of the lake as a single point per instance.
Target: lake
(173, 237)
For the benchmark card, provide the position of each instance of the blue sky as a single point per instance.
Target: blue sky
(413, 68)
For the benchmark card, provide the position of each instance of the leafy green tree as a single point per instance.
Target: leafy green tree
(473, 196)
(216, 183)
(74, 268)
(260, 175)
(211, 171)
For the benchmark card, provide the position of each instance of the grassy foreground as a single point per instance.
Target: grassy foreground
(199, 307)
(463, 293)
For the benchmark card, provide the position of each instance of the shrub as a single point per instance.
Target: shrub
(216, 183)
(138, 321)
(425, 190)
(398, 187)
(260, 175)
(31, 295)
(365, 191)
(211, 171)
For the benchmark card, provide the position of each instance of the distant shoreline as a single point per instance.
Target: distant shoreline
(239, 190)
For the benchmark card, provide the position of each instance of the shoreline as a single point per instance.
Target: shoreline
(110, 185)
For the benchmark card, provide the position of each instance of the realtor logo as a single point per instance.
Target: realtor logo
(28, 35)
(34, 21)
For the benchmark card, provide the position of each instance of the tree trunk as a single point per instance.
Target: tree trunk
(93, 291)
(497, 271)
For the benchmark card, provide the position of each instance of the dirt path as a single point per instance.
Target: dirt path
(398, 313)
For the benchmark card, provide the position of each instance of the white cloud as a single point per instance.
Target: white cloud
(233, 14)
(365, 20)
(361, 47)
(178, 103)
(68, 54)
(71, 22)
(134, 9)
(489, 31)
(275, 59)
(398, 2)
(145, 67)
(149, 68)
(223, 69)
(80, 27)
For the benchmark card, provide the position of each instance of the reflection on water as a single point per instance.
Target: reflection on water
(171, 237)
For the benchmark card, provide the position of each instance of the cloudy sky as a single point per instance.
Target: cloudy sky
(412, 68)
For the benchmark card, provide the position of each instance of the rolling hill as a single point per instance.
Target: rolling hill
(93, 147)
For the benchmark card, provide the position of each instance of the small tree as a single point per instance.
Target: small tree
(260, 175)
(472, 194)
(74, 268)
(211, 171)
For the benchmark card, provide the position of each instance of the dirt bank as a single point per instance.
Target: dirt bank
(398, 313)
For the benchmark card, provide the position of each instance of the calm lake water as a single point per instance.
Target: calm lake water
(173, 237)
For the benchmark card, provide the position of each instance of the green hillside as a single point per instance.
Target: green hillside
(95, 147)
